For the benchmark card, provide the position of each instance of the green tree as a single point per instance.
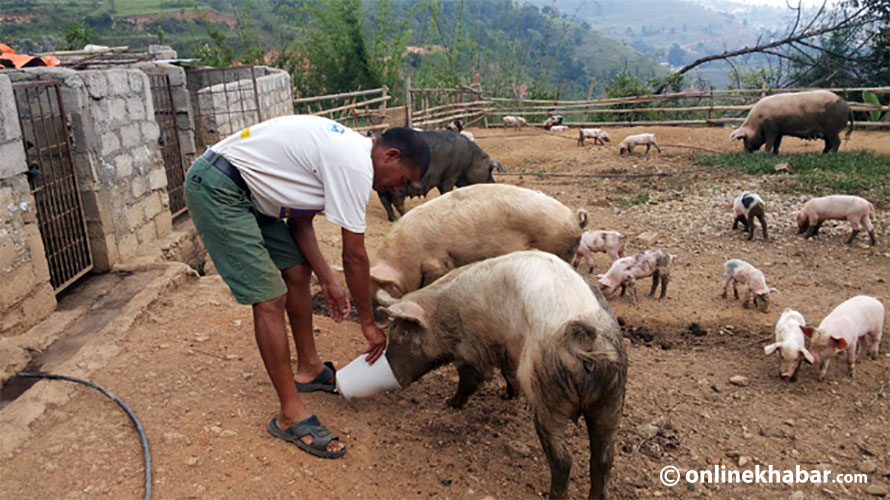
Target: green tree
(332, 54)
(76, 35)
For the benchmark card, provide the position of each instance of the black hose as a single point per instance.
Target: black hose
(145, 453)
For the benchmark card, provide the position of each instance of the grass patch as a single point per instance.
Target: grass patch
(860, 173)
(637, 199)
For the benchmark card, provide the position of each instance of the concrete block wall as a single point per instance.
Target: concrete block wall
(117, 159)
(26, 295)
(216, 99)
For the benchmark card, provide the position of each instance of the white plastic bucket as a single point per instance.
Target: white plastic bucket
(358, 379)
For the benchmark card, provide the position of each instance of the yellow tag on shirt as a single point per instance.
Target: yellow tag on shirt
(245, 133)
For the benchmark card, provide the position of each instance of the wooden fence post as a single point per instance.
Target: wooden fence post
(383, 105)
(409, 104)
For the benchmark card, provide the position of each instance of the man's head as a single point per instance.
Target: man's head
(400, 156)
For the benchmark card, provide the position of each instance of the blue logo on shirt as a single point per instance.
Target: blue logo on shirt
(338, 128)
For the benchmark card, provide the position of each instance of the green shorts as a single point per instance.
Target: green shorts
(249, 249)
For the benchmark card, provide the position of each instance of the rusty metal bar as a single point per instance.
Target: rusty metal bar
(165, 116)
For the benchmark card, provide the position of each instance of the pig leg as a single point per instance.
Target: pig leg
(551, 433)
(632, 285)
(866, 221)
(851, 359)
(601, 432)
(648, 147)
(740, 218)
(508, 370)
(655, 277)
(470, 378)
(657, 148)
(726, 281)
(386, 200)
(832, 143)
(852, 236)
(735, 291)
(814, 228)
(665, 277)
(399, 201)
(762, 226)
(861, 347)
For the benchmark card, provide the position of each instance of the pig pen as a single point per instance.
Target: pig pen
(190, 370)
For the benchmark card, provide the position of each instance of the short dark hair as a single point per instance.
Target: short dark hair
(413, 149)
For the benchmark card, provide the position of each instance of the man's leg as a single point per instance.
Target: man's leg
(271, 338)
(299, 311)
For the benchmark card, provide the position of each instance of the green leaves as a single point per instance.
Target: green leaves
(869, 98)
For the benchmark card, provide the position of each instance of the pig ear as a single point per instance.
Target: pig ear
(774, 290)
(409, 310)
(807, 330)
(839, 342)
(807, 355)
(771, 348)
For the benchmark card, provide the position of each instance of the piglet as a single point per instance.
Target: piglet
(609, 242)
(738, 271)
(855, 325)
(629, 142)
(514, 121)
(625, 271)
(745, 208)
(790, 343)
(853, 209)
(598, 135)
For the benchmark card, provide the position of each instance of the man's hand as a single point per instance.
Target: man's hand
(337, 299)
(376, 342)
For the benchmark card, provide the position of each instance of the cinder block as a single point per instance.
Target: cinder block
(135, 215)
(136, 108)
(123, 165)
(10, 253)
(118, 82)
(138, 81)
(110, 144)
(130, 135)
(11, 321)
(147, 233)
(96, 84)
(138, 187)
(164, 223)
(152, 205)
(157, 179)
(38, 252)
(127, 246)
(17, 283)
(9, 122)
(118, 112)
(150, 131)
(13, 155)
(37, 306)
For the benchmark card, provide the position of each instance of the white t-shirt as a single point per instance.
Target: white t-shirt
(300, 164)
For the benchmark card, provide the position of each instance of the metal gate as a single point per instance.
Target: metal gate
(224, 101)
(53, 181)
(165, 116)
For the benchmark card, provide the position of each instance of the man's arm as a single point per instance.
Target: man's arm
(357, 267)
(304, 235)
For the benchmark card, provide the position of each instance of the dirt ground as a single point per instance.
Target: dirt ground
(191, 372)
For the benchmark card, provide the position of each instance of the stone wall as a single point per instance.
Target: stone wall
(226, 102)
(26, 295)
(117, 161)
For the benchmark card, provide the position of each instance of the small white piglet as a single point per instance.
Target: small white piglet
(854, 325)
(598, 135)
(853, 209)
(737, 271)
(609, 242)
(514, 121)
(790, 343)
(631, 141)
(625, 271)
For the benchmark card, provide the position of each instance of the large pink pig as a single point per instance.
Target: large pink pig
(853, 209)
(625, 271)
(855, 326)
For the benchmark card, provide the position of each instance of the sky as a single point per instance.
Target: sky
(780, 3)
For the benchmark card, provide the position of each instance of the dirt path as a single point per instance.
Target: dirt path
(191, 372)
